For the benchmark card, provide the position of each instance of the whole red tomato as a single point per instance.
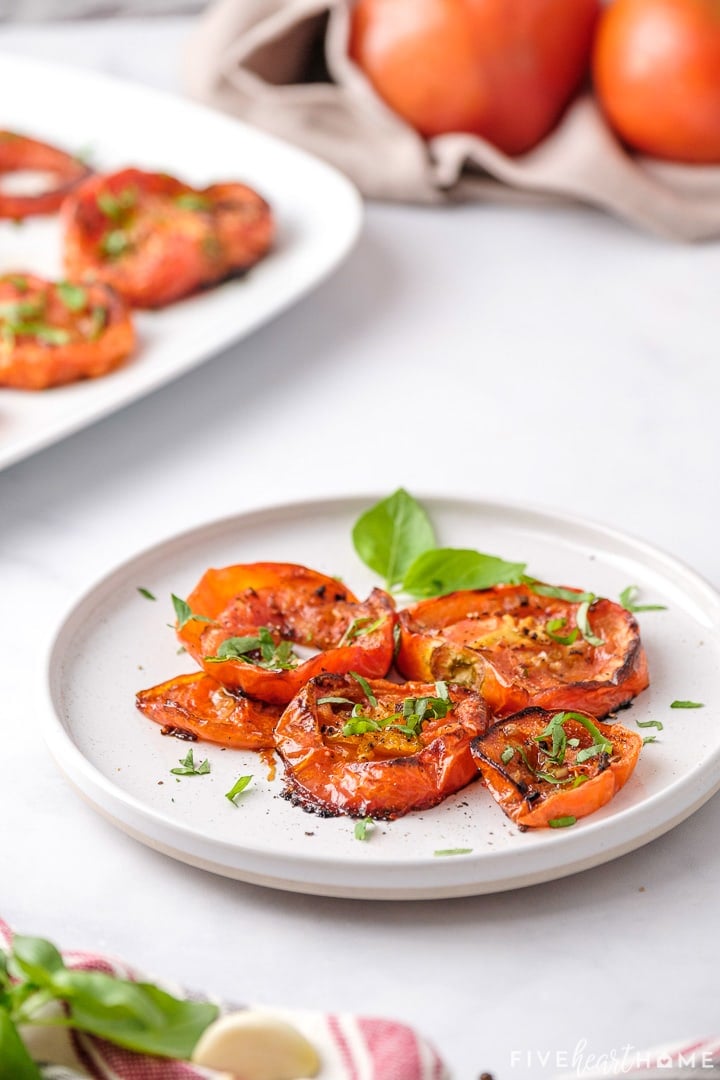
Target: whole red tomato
(502, 69)
(657, 74)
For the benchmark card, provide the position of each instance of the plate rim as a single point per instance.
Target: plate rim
(703, 781)
(28, 444)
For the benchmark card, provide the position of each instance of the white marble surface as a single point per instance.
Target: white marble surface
(555, 358)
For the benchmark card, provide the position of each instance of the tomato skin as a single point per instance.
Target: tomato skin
(172, 248)
(656, 68)
(483, 639)
(533, 802)
(501, 69)
(19, 153)
(199, 705)
(328, 776)
(30, 363)
(298, 605)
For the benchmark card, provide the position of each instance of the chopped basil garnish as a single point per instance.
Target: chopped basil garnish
(507, 755)
(556, 592)
(687, 705)
(74, 297)
(116, 207)
(651, 723)
(187, 766)
(335, 701)
(583, 622)
(261, 650)
(551, 629)
(365, 687)
(562, 822)
(192, 200)
(362, 828)
(627, 599)
(146, 593)
(453, 851)
(115, 243)
(360, 627)
(649, 739)
(98, 322)
(237, 789)
(184, 614)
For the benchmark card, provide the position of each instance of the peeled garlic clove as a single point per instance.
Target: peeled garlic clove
(256, 1046)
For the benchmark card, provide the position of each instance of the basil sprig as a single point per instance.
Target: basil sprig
(627, 599)
(409, 720)
(184, 614)
(136, 1016)
(396, 539)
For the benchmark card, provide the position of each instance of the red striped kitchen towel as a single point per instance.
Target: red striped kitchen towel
(349, 1047)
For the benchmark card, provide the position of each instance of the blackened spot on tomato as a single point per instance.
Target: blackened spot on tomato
(320, 591)
(340, 597)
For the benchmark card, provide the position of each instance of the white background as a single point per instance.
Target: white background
(550, 357)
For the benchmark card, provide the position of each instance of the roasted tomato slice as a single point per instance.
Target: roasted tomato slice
(519, 648)
(550, 768)
(56, 332)
(254, 617)
(198, 705)
(18, 153)
(371, 747)
(156, 239)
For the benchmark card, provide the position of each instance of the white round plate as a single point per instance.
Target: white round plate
(115, 642)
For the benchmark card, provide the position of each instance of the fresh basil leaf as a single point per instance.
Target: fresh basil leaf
(362, 828)
(391, 534)
(597, 736)
(335, 701)
(649, 739)
(651, 723)
(359, 628)
(687, 705)
(138, 1016)
(98, 322)
(15, 1060)
(562, 822)
(453, 851)
(146, 593)
(397, 640)
(627, 599)
(446, 570)
(35, 958)
(116, 207)
(507, 755)
(74, 297)
(360, 725)
(238, 787)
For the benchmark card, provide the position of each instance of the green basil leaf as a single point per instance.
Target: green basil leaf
(15, 1060)
(335, 701)
(184, 614)
(507, 755)
(74, 297)
(192, 200)
(562, 822)
(365, 687)
(35, 958)
(583, 621)
(362, 827)
(557, 592)
(651, 723)
(446, 570)
(687, 705)
(627, 599)
(187, 766)
(238, 787)
(551, 629)
(138, 1016)
(453, 851)
(146, 593)
(391, 534)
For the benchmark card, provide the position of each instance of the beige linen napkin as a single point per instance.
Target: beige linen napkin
(283, 65)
